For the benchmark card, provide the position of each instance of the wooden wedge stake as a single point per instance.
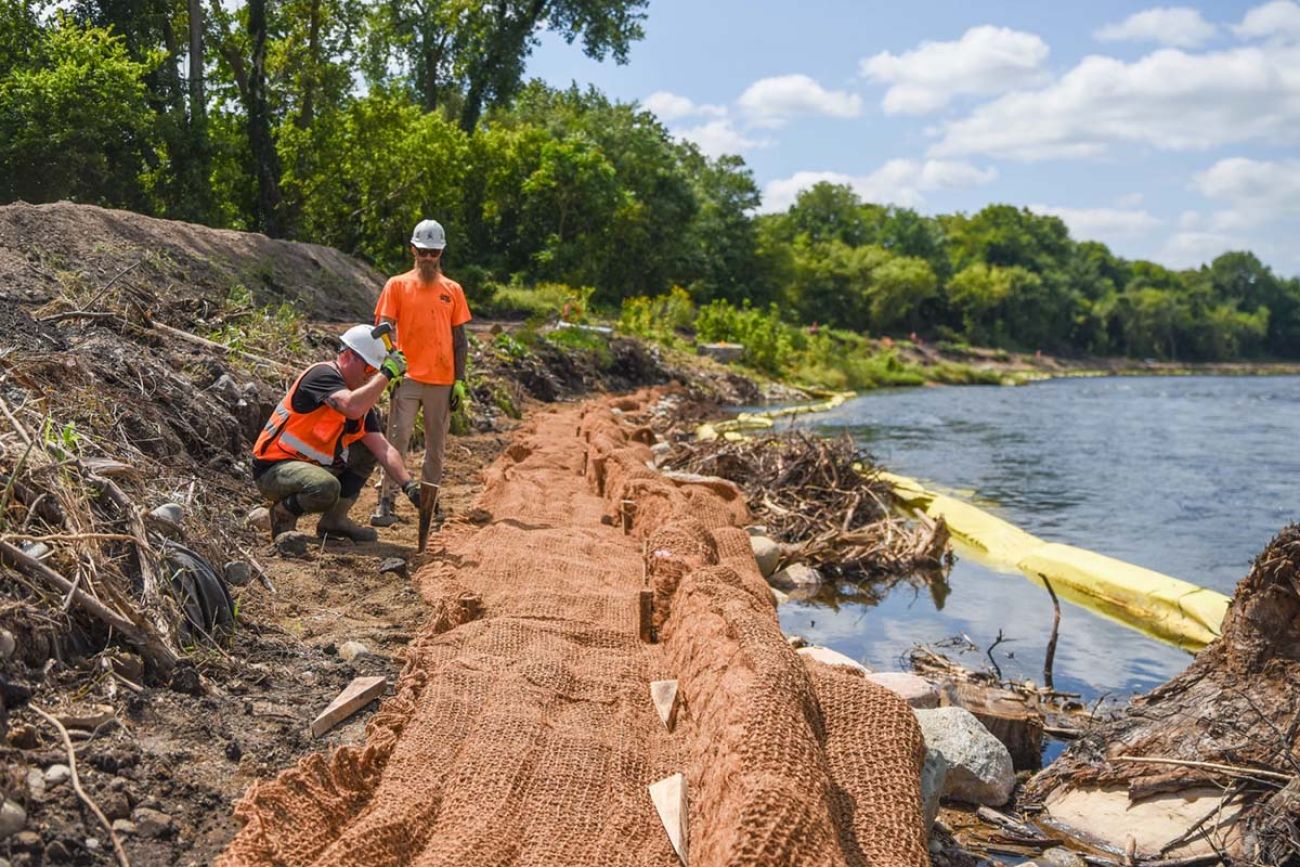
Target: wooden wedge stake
(645, 606)
(669, 796)
(359, 693)
(664, 695)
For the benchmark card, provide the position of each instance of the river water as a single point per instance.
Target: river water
(1189, 476)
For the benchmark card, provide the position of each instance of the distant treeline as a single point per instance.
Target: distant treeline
(344, 122)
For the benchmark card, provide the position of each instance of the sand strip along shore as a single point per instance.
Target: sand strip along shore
(522, 730)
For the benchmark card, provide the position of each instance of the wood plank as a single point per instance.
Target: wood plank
(664, 695)
(359, 693)
(669, 797)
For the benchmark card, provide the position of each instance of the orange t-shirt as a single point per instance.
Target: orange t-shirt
(425, 313)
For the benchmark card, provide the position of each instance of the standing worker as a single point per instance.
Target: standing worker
(428, 311)
(307, 457)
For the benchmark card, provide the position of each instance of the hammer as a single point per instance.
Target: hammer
(384, 331)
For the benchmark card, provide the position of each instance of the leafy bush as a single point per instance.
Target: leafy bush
(659, 318)
(580, 340)
(545, 301)
(768, 342)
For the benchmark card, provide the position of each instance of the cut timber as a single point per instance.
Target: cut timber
(669, 796)
(645, 603)
(1006, 715)
(359, 693)
(664, 694)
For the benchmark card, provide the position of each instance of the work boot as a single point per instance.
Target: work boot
(282, 520)
(384, 515)
(336, 522)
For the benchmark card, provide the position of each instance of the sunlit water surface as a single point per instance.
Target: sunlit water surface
(1189, 476)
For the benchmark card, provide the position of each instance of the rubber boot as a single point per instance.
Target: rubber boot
(282, 520)
(336, 522)
(384, 515)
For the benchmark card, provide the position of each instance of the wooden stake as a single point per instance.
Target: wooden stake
(645, 615)
(359, 693)
(664, 695)
(669, 797)
(626, 509)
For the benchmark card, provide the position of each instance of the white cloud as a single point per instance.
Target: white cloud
(1191, 249)
(1101, 224)
(1180, 26)
(1256, 191)
(719, 137)
(985, 60)
(1168, 100)
(1277, 20)
(671, 106)
(771, 102)
(1130, 200)
(897, 182)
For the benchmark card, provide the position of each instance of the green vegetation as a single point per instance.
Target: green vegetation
(344, 123)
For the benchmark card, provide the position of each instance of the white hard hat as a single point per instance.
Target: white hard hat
(371, 349)
(429, 235)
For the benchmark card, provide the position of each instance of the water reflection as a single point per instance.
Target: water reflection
(1188, 476)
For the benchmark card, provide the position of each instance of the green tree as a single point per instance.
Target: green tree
(75, 123)
(722, 236)
(829, 212)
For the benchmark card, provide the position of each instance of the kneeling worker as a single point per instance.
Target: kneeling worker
(307, 457)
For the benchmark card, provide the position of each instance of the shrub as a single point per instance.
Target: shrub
(659, 318)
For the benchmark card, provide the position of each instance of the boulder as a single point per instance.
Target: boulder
(12, 819)
(934, 772)
(56, 774)
(916, 691)
(291, 543)
(796, 576)
(152, 823)
(767, 553)
(258, 518)
(832, 657)
(350, 650)
(237, 573)
(395, 565)
(979, 766)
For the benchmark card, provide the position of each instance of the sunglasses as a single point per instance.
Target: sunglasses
(427, 254)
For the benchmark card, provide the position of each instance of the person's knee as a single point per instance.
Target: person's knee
(320, 494)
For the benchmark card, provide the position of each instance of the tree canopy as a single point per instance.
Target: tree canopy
(344, 123)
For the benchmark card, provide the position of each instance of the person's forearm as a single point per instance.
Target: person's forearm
(391, 461)
(357, 402)
(460, 349)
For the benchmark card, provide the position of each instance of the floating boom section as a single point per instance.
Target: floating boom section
(1156, 604)
(734, 428)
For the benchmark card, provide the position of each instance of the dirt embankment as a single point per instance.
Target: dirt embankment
(523, 732)
(91, 384)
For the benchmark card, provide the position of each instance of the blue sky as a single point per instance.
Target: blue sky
(1170, 132)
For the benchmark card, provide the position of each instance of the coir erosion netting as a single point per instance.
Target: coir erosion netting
(522, 730)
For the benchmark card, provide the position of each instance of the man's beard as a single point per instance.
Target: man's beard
(428, 268)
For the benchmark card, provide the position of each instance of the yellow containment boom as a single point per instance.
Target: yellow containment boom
(1156, 604)
(733, 428)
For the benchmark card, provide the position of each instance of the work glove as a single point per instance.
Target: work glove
(394, 365)
(412, 491)
(459, 395)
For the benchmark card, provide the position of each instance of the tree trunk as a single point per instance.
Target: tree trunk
(507, 40)
(311, 76)
(260, 142)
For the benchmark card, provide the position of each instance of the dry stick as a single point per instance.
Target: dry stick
(1208, 766)
(1050, 656)
(150, 645)
(150, 584)
(220, 347)
(69, 537)
(17, 425)
(81, 793)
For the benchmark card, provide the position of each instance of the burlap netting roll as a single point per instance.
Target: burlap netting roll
(522, 733)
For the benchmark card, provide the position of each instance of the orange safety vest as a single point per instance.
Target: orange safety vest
(304, 436)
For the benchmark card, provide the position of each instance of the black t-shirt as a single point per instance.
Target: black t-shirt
(319, 383)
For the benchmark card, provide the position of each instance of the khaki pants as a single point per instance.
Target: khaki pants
(406, 401)
(315, 488)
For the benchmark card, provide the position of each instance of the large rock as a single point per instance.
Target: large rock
(916, 691)
(979, 766)
(12, 819)
(292, 543)
(832, 657)
(934, 773)
(767, 553)
(796, 576)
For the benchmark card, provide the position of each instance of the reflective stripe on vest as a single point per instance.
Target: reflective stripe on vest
(312, 436)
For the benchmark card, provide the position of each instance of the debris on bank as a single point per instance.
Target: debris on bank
(823, 502)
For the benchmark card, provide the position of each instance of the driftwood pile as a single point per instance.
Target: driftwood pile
(822, 499)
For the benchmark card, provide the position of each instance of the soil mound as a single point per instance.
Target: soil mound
(48, 250)
(522, 731)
